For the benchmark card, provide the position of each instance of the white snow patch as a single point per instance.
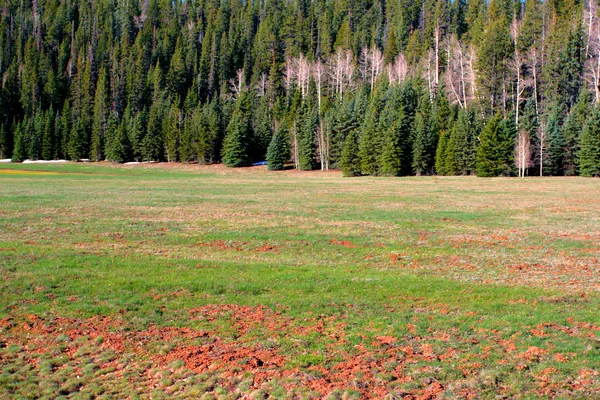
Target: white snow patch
(44, 161)
(5, 160)
(132, 163)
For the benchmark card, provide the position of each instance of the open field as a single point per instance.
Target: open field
(162, 281)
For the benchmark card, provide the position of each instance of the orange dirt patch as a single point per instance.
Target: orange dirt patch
(343, 243)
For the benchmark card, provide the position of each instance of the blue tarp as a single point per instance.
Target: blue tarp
(259, 163)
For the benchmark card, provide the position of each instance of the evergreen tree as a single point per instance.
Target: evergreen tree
(278, 152)
(306, 129)
(444, 164)
(263, 130)
(423, 145)
(238, 137)
(556, 145)
(394, 149)
(171, 133)
(371, 141)
(489, 162)
(589, 152)
(20, 150)
(100, 117)
(350, 161)
(48, 136)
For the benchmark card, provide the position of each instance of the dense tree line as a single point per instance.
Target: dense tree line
(370, 87)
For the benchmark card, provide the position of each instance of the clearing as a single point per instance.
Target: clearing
(182, 281)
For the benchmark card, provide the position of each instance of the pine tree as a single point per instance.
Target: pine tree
(120, 149)
(589, 147)
(47, 150)
(4, 142)
(460, 151)
(153, 143)
(238, 137)
(263, 130)
(556, 145)
(171, 133)
(136, 136)
(422, 145)
(394, 148)
(350, 160)
(100, 117)
(371, 141)
(306, 128)
(487, 152)
(278, 152)
(440, 156)
(20, 150)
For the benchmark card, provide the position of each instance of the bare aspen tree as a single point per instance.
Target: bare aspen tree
(348, 70)
(523, 152)
(303, 70)
(428, 71)
(237, 84)
(319, 76)
(398, 70)
(533, 56)
(471, 73)
(459, 74)
(262, 84)
(341, 71)
(289, 74)
(371, 64)
(590, 14)
(517, 64)
(592, 68)
(541, 133)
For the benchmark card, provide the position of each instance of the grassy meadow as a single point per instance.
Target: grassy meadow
(180, 281)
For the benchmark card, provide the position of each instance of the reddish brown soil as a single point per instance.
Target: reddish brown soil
(375, 368)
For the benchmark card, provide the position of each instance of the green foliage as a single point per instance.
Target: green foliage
(495, 154)
(170, 71)
(306, 126)
(589, 151)
(238, 137)
(350, 162)
(278, 152)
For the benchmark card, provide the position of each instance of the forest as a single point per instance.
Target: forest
(371, 87)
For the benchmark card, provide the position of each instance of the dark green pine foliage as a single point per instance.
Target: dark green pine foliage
(101, 109)
(171, 132)
(350, 161)
(394, 152)
(462, 142)
(36, 131)
(306, 126)
(395, 130)
(371, 139)
(424, 138)
(572, 130)
(152, 148)
(346, 118)
(5, 144)
(442, 156)
(238, 137)
(506, 151)
(489, 159)
(278, 152)
(589, 146)
(120, 149)
(48, 136)
(263, 129)
(19, 153)
(136, 135)
(556, 144)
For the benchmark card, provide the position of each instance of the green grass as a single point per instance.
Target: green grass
(295, 284)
